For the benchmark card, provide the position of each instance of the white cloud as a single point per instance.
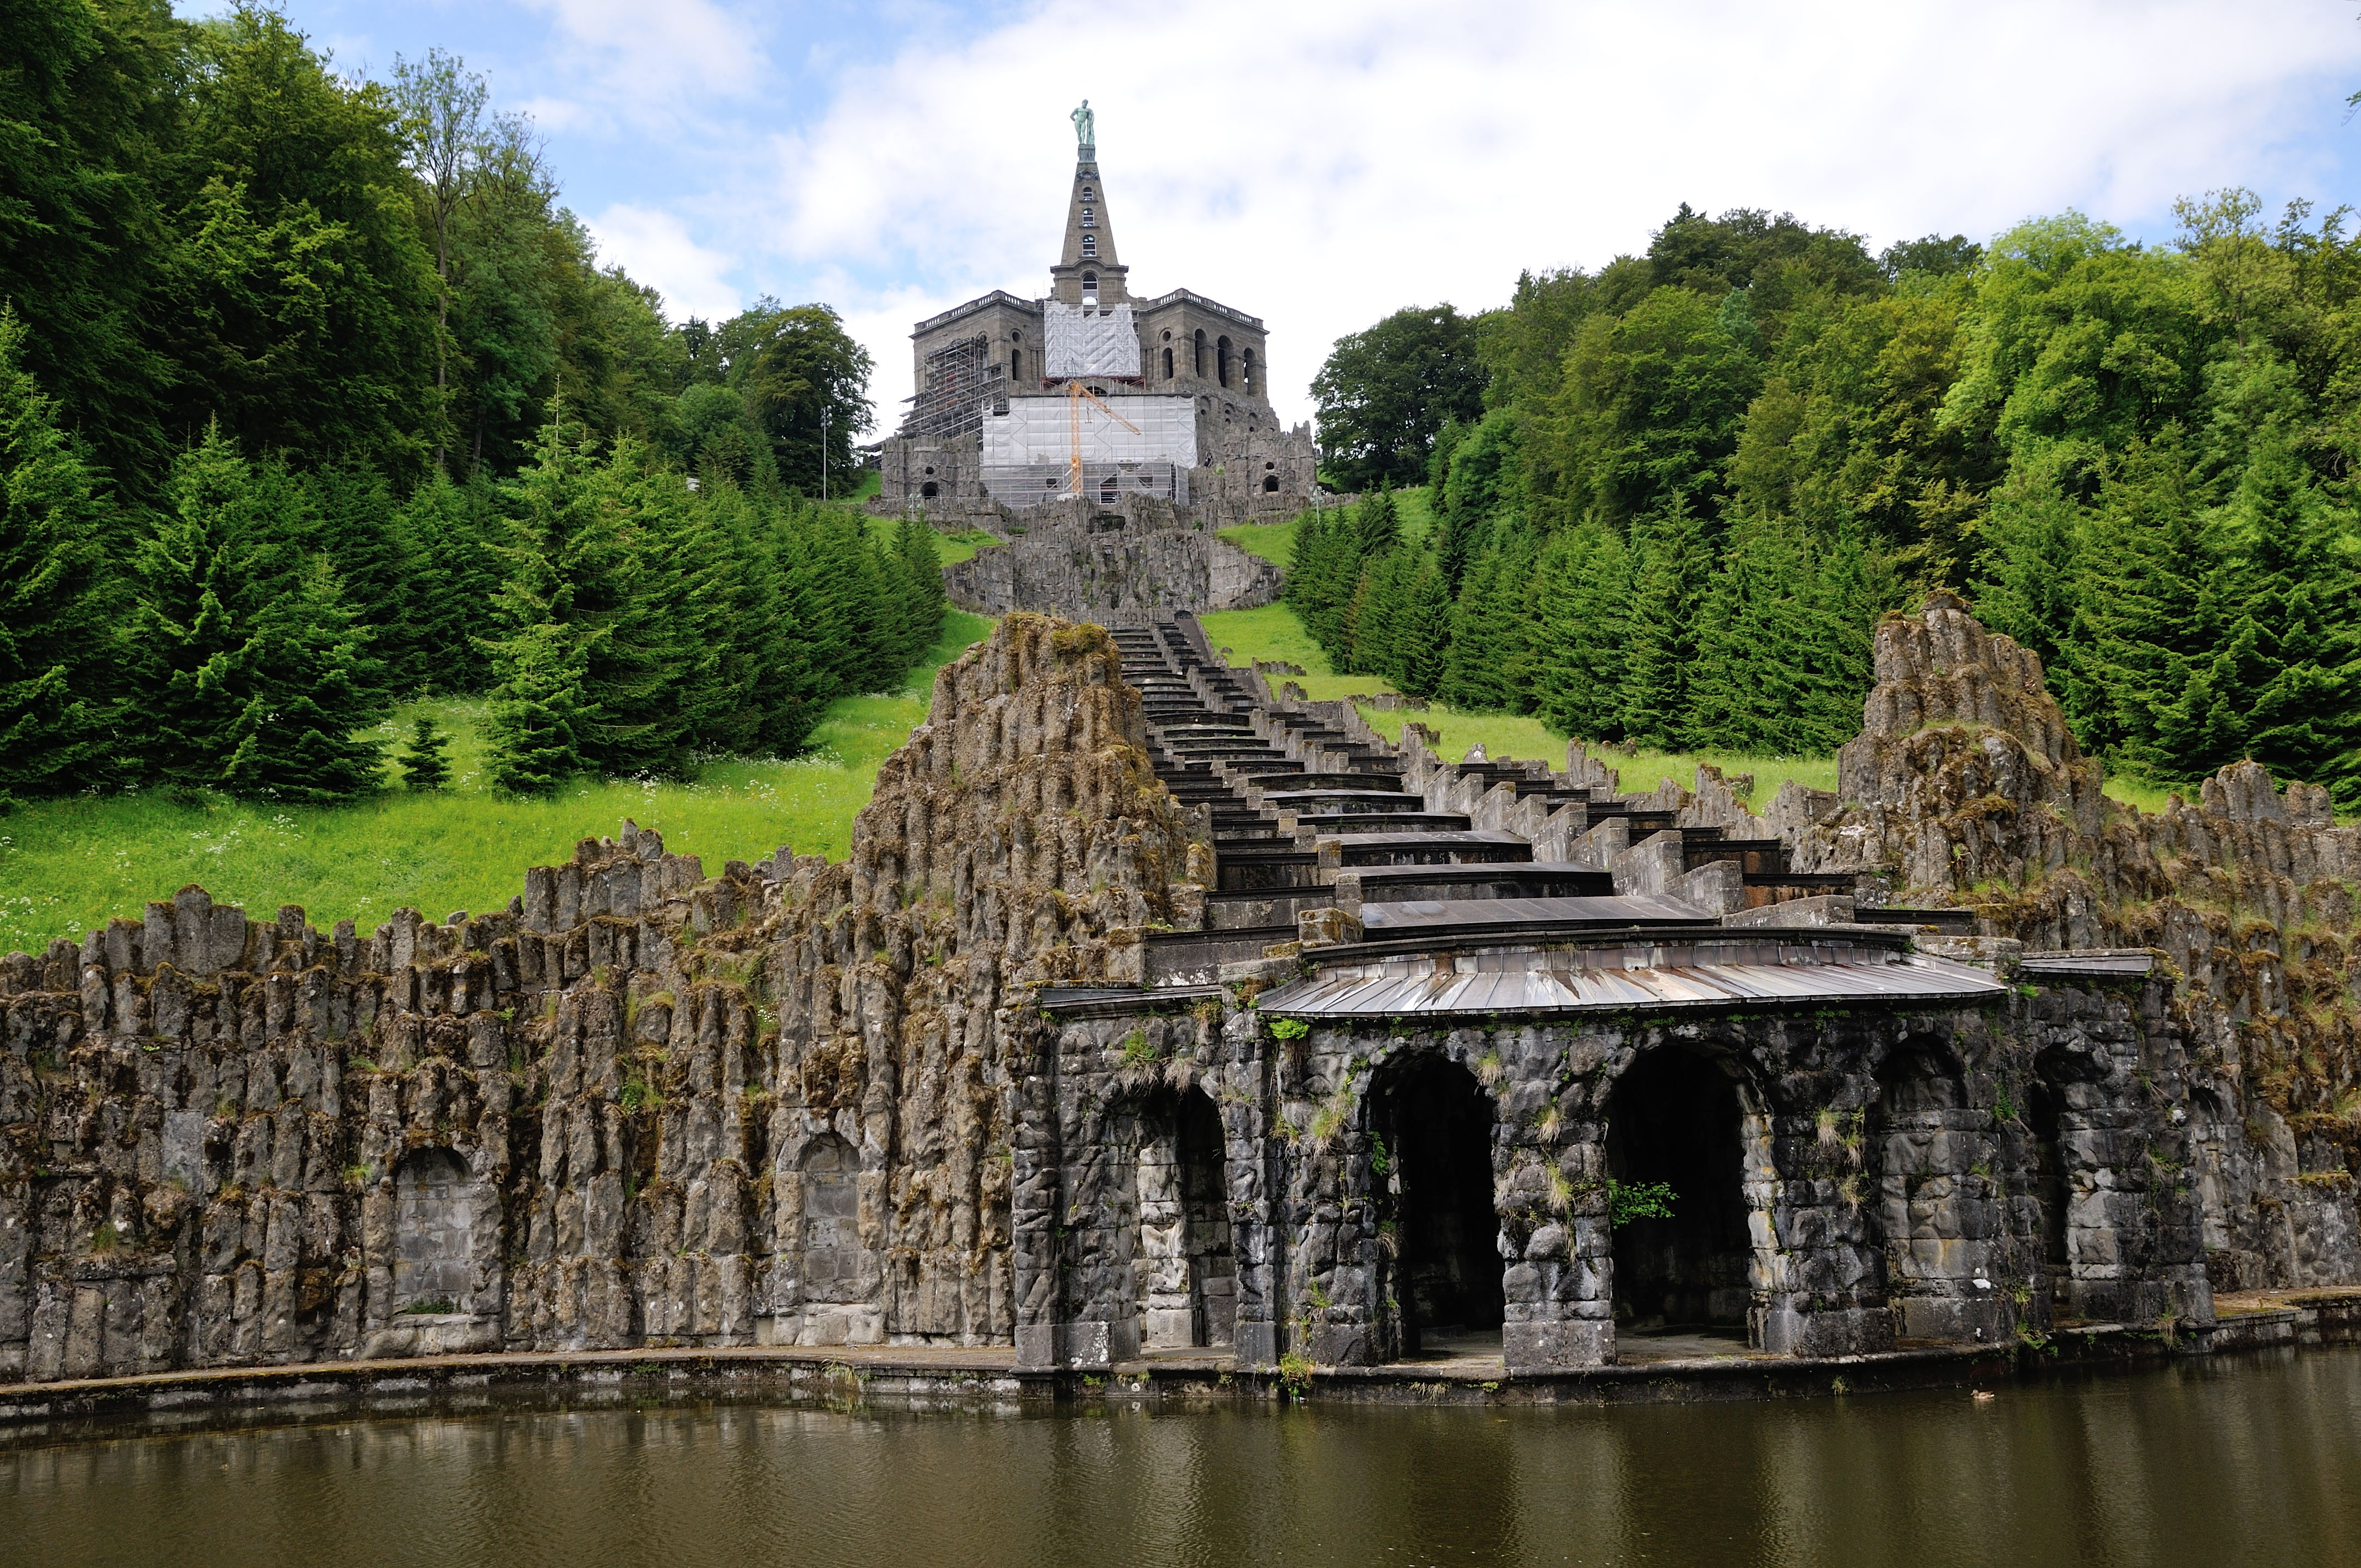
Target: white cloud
(655, 62)
(655, 248)
(1322, 164)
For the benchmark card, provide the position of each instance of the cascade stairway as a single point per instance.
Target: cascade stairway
(1307, 819)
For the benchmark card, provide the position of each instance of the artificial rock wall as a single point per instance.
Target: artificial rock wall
(1135, 558)
(638, 1106)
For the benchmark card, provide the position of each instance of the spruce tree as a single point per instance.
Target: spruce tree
(186, 637)
(1669, 568)
(453, 569)
(1427, 630)
(361, 529)
(423, 765)
(54, 593)
(306, 691)
(1582, 610)
(1488, 669)
(537, 705)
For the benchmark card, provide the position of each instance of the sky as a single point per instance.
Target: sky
(1321, 164)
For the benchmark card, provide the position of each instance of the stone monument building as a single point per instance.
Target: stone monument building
(1091, 394)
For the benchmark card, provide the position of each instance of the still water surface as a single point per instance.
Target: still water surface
(2244, 1463)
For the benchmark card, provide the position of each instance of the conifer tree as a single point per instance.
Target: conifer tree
(360, 530)
(1489, 666)
(1427, 638)
(536, 708)
(422, 763)
(1669, 567)
(452, 570)
(1582, 607)
(306, 697)
(54, 588)
(186, 637)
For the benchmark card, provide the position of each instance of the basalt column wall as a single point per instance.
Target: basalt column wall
(638, 1106)
(1966, 788)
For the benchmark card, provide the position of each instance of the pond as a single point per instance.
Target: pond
(2255, 1460)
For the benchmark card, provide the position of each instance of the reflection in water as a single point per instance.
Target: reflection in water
(2247, 1462)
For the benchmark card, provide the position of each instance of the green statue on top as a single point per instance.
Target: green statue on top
(1086, 128)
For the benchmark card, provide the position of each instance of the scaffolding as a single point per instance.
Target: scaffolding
(958, 383)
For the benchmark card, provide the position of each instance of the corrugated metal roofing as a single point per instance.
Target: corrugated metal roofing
(1575, 982)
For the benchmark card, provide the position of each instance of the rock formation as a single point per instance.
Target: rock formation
(638, 1106)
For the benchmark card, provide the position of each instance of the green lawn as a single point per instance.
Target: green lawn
(1273, 633)
(1275, 541)
(950, 549)
(67, 865)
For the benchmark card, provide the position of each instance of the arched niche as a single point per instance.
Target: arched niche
(1677, 1140)
(437, 1205)
(1184, 1260)
(1438, 1224)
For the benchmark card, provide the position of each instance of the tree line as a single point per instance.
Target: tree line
(312, 397)
(1682, 488)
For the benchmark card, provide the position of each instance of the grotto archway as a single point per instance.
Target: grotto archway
(1438, 1223)
(1186, 1265)
(1674, 1121)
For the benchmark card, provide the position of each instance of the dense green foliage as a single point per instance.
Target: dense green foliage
(1701, 473)
(313, 398)
(1384, 393)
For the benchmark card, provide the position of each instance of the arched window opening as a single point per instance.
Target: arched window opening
(434, 1204)
(1444, 1271)
(1090, 244)
(1089, 287)
(1271, 484)
(2052, 1192)
(1090, 218)
(1168, 365)
(929, 491)
(1088, 194)
(1015, 363)
(1673, 1132)
(1247, 369)
(1200, 367)
(1221, 361)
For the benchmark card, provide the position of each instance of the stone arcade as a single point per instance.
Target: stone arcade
(1159, 1015)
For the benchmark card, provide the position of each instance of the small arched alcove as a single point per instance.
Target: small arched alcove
(435, 1206)
(833, 1261)
(1222, 360)
(1675, 1153)
(1186, 1267)
(1438, 1224)
(1271, 484)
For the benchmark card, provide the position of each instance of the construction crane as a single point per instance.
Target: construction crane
(1075, 395)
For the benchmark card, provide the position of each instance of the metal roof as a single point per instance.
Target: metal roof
(1667, 976)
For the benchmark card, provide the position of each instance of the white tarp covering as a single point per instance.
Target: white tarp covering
(1089, 340)
(1163, 428)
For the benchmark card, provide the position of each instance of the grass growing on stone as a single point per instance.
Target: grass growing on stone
(67, 865)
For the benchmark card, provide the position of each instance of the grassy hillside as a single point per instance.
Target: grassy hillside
(1275, 541)
(1273, 633)
(67, 865)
